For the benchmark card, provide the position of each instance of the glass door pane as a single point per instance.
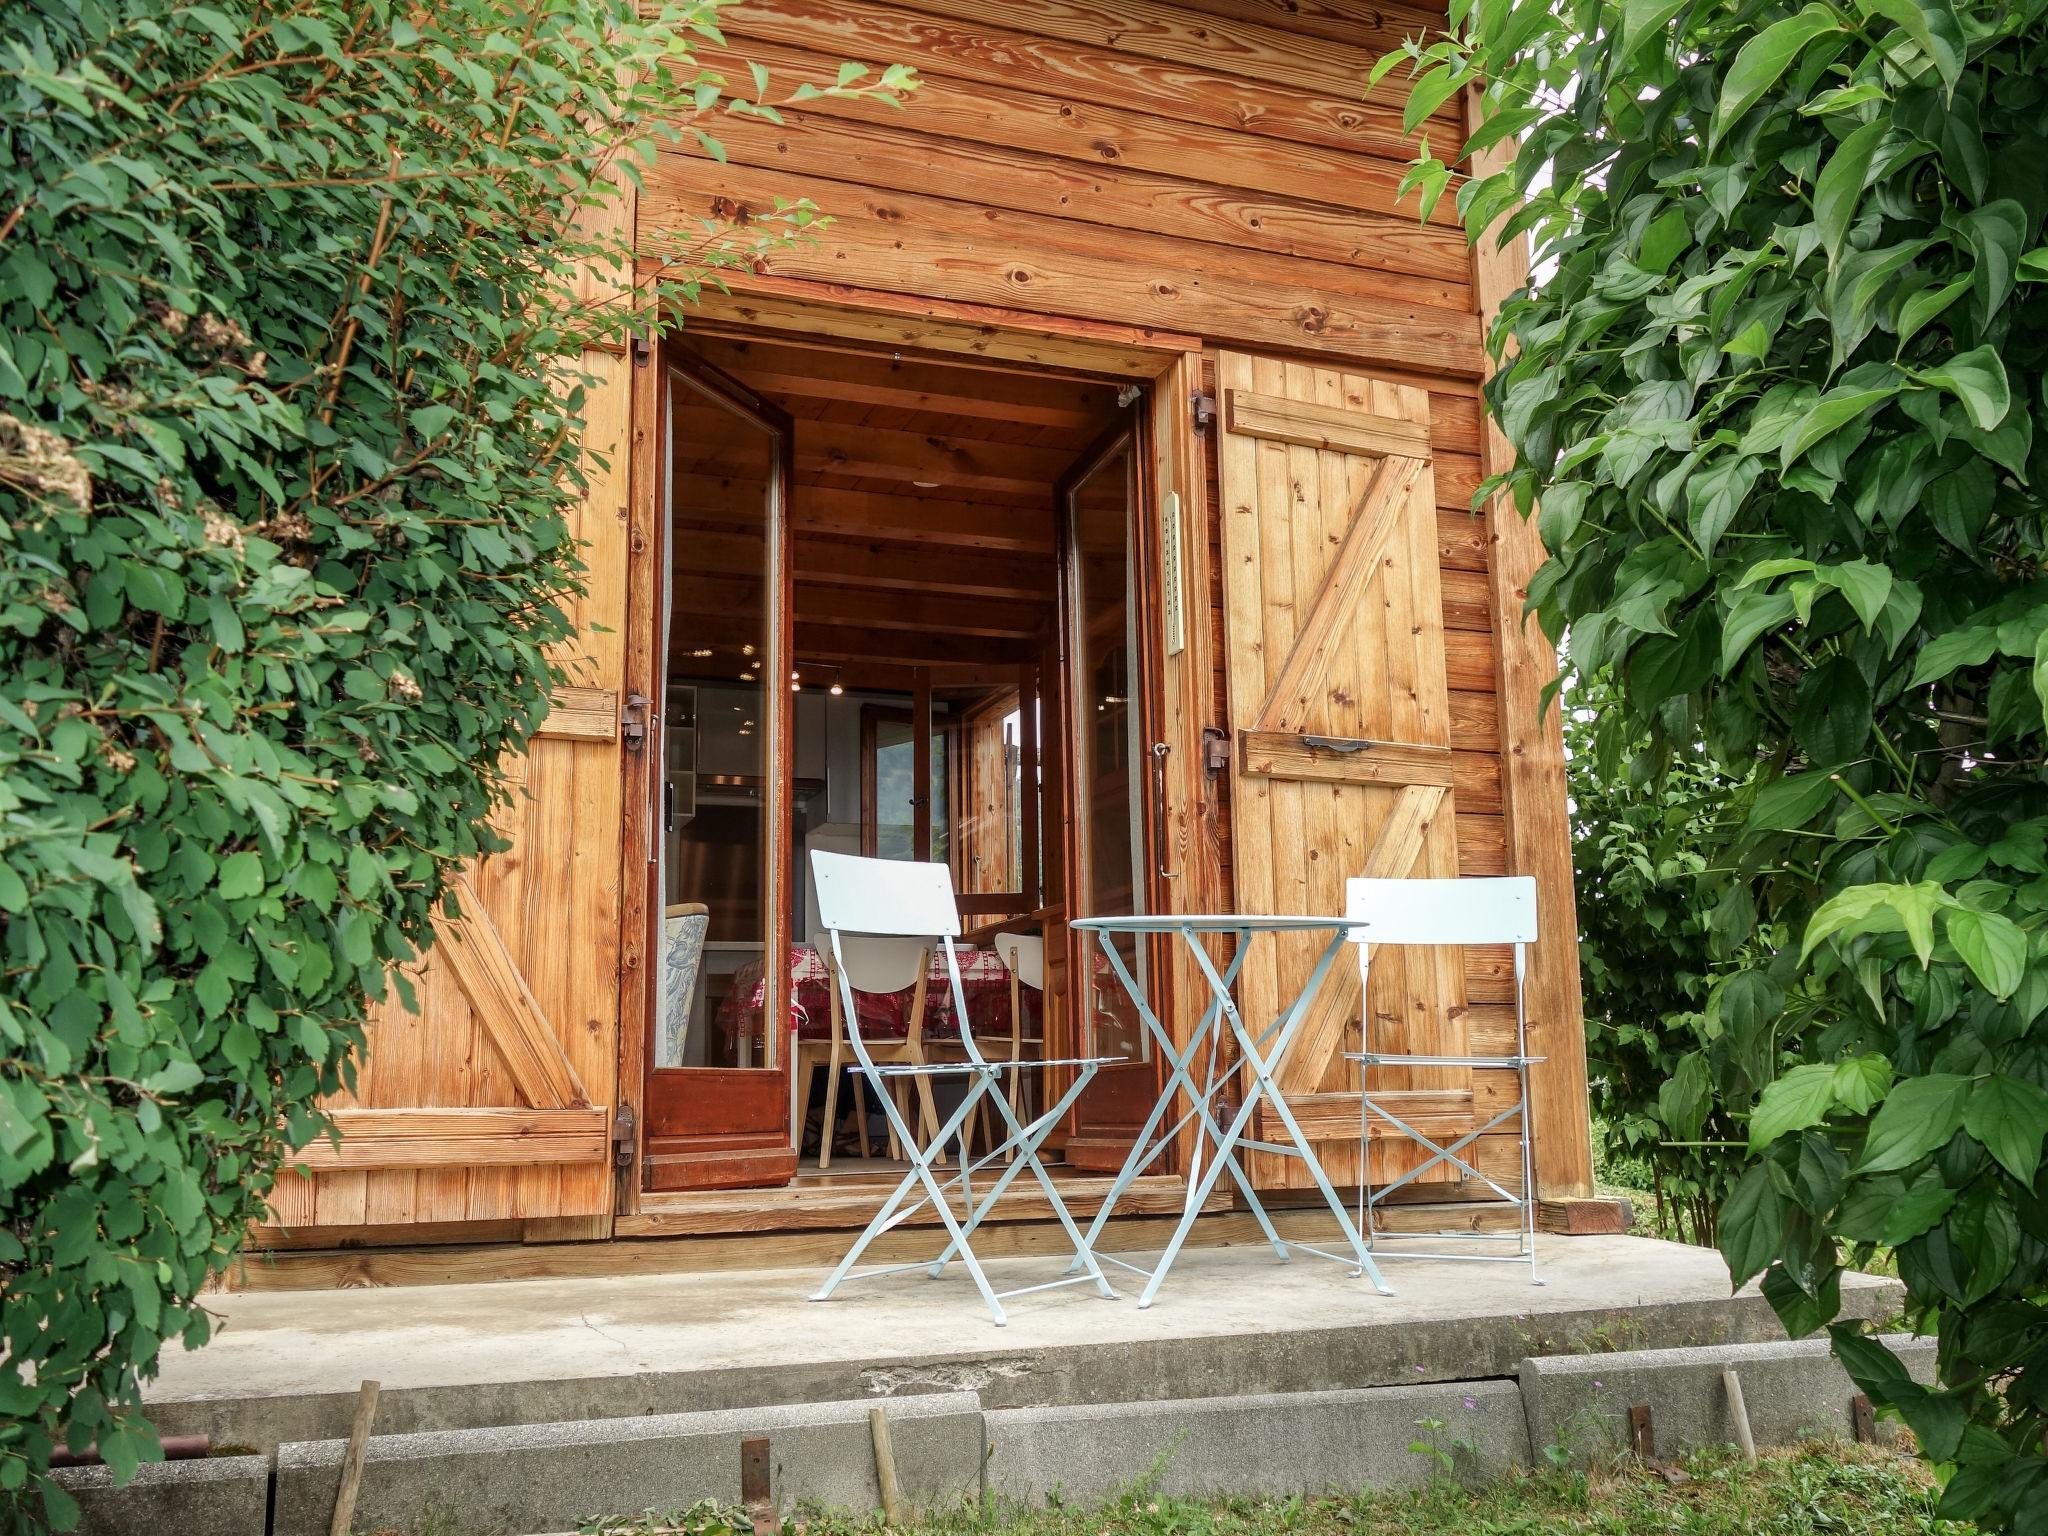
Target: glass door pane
(1107, 726)
(724, 689)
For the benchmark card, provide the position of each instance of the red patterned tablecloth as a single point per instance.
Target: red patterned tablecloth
(984, 981)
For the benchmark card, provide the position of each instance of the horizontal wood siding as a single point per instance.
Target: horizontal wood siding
(1210, 170)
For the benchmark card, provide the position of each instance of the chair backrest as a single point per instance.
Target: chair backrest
(1494, 910)
(1023, 953)
(884, 896)
(874, 963)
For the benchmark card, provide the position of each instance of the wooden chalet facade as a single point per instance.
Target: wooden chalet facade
(1105, 466)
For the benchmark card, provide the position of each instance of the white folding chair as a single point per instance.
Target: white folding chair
(1429, 913)
(890, 897)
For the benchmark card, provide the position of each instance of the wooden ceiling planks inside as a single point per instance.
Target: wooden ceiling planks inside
(921, 510)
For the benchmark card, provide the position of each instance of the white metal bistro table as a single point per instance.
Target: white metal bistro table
(1262, 1052)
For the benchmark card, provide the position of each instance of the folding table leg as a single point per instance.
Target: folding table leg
(1264, 1087)
(1179, 1080)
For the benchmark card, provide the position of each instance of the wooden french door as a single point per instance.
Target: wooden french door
(1342, 764)
(718, 748)
(1107, 613)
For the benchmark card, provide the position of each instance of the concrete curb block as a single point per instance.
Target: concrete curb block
(551, 1477)
(1794, 1391)
(207, 1496)
(1276, 1444)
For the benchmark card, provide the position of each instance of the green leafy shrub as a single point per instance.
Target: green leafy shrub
(1780, 397)
(289, 395)
(1675, 1056)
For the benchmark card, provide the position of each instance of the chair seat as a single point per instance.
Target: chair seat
(955, 1068)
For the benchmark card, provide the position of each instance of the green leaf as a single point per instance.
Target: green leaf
(1977, 379)
(1956, 649)
(1832, 412)
(1802, 1097)
(1928, 304)
(1793, 801)
(1992, 946)
(1866, 586)
(430, 421)
(1861, 1082)
(2010, 1118)
(1839, 187)
(1763, 59)
(175, 1077)
(241, 875)
(1752, 1225)
(1933, 25)
(1926, 1200)
(2041, 674)
(1642, 20)
(1996, 233)
(1919, 1115)
(1664, 241)
(1752, 614)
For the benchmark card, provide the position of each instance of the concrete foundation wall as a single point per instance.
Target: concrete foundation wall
(1793, 1391)
(552, 1477)
(209, 1496)
(1277, 1444)
(954, 1447)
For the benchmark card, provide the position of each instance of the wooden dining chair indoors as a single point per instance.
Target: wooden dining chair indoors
(1023, 955)
(879, 964)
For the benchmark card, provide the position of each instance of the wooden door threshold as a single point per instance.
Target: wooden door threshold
(812, 1207)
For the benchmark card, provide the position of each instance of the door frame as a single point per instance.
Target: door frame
(1170, 453)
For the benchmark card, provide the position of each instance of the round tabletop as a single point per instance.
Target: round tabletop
(1205, 922)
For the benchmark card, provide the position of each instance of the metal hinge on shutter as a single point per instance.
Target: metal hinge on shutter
(1205, 409)
(624, 1139)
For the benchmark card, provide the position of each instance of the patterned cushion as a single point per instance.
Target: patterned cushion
(682, 955)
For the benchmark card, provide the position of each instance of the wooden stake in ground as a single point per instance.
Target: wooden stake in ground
(352, 1461)
(1740, 1412)
(885, 1466)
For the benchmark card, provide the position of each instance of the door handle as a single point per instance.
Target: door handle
(1159, 751)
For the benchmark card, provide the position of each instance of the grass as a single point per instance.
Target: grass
(1819, 1490)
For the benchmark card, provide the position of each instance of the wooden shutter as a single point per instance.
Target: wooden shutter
(492, 1102)
(1340, 705)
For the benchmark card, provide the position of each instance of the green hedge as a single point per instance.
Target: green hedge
(288, 433)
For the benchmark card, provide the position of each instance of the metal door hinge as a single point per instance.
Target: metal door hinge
(623, 1138)
(633, 721)
(643, 351)
(1205, 409)
(1215, 750)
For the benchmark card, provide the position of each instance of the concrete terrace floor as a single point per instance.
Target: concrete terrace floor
(287, 1364)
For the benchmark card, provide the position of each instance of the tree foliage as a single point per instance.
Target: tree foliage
(1780, 398)
(1673, 1059)
(289, 399)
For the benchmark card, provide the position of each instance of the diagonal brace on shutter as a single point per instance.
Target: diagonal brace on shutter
(505, 1006)
(1373, 524)
(1394, 852)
